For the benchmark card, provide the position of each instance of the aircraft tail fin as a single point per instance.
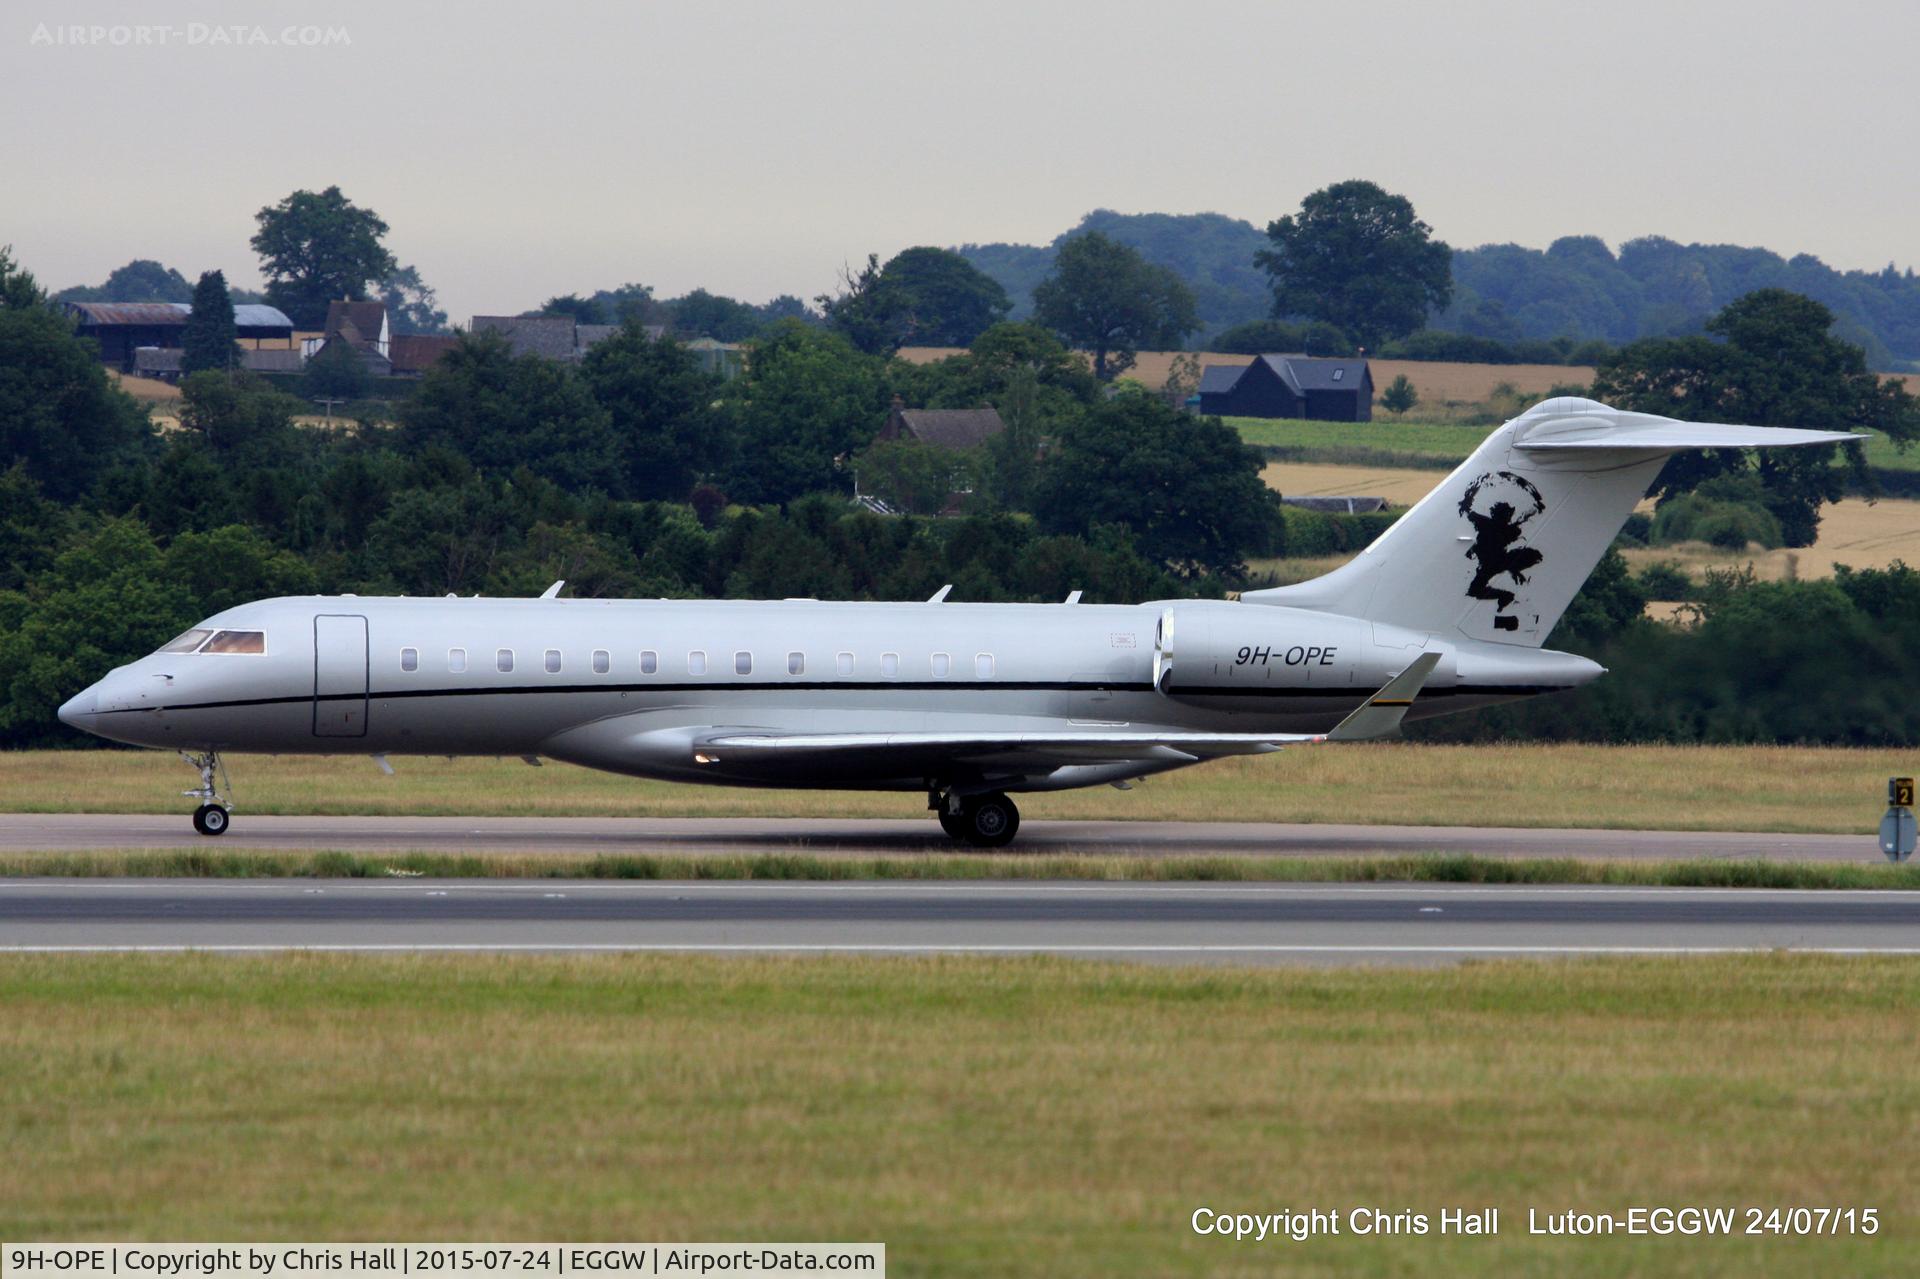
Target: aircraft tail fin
(1500, 547)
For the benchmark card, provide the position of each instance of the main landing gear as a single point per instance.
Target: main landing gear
(985, 821)
(215, 814)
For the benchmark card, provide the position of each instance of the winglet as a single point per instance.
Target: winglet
(1380, 716)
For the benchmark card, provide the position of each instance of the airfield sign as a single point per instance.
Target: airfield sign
(1897, 828)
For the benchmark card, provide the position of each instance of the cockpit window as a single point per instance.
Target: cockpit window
(237, 642)
(186, 641)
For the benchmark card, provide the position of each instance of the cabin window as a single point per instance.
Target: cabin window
(796, 663)
(457, 660)
(186, 641)
(602, 661)
(237, 642)
(743, 663)
(942, 665)
(503, 660)
(649, 661)
(983, 665)
(843, 664)
(889, 665)
(696, 662)
(409, 659)
(1338, 374)
(553, 661)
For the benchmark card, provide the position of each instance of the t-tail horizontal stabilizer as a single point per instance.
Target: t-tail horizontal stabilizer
(1381, 714)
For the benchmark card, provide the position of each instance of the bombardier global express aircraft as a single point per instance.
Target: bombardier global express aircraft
(970, 703)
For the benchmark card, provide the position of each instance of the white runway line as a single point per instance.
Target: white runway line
(774, 947)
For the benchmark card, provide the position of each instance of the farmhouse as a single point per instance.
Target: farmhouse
(122, 328)
(362, 328)
(1292, 386)
(954, 429)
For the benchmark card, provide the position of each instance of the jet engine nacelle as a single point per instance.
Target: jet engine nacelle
(1225, 646)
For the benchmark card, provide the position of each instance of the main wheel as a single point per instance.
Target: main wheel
(989, 821)
(211, 819)
(952, 823)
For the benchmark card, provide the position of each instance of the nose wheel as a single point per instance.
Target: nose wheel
(215, 813)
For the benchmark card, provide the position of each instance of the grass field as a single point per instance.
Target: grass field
(1030, 1117)
(1622, 787)
(1853, 532)
(237, 861)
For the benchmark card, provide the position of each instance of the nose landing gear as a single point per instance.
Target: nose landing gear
(985, 821)
(215, 813)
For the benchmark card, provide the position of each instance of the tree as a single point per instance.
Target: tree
(948, 301)
(209, 339)
(704, 314)
(1106, 298)
(318, 247)
(807, 398)
(1399, 395)
(19, 291)
(501, 412)
(141, 280)
(1775, 363)
(411, 305)
(868, 312)
(911, 476)
(1188, 489)
(576, 308)
(659, 402)
(1357, 257)
(336, 373)
(61, 417)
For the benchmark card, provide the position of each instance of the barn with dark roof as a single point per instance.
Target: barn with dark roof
(1289, 386)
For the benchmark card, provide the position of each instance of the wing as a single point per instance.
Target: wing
(1379, 716)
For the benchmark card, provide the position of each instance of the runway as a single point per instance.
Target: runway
(27, 832)
(1179, 923)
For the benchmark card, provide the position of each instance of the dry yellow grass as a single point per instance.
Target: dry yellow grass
(1435, 381)
(1854, 532)
(1399, 783)
(1007, 1117)
(151, 390)
(1312, 479)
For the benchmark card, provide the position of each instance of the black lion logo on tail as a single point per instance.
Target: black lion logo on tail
(1498, 505)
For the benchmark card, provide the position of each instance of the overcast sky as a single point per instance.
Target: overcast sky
(521, 150)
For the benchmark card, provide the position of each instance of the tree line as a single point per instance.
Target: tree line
(633, 473)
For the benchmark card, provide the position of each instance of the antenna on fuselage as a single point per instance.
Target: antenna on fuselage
(553, 592)
(1073, 597)
(940, 596)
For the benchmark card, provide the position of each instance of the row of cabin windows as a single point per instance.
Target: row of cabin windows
(602, 662)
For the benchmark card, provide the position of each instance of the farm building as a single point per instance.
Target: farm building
(955, 429)
(122, 328)
(361, 327)
(1292, 386)
(412, 354)
(554, 337)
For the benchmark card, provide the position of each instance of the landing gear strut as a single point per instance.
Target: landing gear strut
(985, 821)
(215, 813)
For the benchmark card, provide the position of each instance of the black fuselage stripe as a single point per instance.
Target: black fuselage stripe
(998, 686)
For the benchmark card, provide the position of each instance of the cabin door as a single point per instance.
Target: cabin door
(339, 676)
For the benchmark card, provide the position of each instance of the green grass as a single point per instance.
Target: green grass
(1440, 442)
(1758, 788)
(1413, 444)
(1435, 868)
(1005, 1117)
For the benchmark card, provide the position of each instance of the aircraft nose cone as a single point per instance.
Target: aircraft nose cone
(79, 709)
